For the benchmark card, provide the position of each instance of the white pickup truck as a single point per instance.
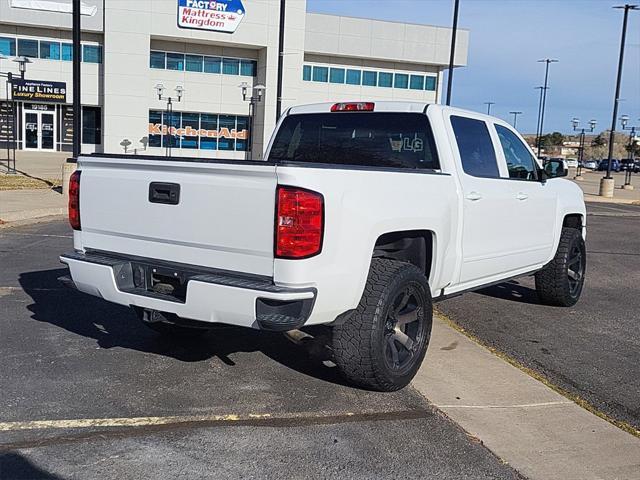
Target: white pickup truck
(360, 217)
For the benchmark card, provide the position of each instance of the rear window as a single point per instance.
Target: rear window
(368, 139)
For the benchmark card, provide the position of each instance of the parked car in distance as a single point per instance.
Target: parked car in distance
(361, 215)
(590, 164)
(572, 162)
(628, 164)
(615, 165)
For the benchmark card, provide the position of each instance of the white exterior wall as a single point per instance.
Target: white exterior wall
(124, 83)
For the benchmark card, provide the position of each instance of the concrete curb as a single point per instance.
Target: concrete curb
(29, 217)
(527, 424)
(618, 201)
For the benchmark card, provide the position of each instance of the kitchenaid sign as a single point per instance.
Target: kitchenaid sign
(212, 15)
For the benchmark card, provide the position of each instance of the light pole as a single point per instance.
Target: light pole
(179, 92)
(548, 61)
(452, 53)
(607, 183)
(11, 112)
(488, 104)
(624, 119)
(515, 118)
(256, 97)
(592, 125)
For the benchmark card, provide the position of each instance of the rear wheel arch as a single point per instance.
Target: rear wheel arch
(413, 246)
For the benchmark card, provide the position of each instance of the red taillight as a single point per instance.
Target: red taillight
(74, 200)
(353, 107)
(299, 223)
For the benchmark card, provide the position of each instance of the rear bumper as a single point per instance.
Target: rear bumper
(212, 296)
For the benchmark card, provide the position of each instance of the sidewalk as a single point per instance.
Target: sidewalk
(528, 425)
(591, 186)
(16, 205)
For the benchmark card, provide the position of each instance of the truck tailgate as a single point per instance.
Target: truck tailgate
(224, 216)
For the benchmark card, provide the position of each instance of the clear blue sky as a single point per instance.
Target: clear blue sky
(506, 39)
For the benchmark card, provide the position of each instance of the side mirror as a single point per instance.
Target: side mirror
(554, 168)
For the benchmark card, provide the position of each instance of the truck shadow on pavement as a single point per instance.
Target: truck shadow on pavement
(512, 290)
(14, 466)
(112, 325)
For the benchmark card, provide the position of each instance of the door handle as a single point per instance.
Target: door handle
(473, 196)
(522, 196)
(167, 193)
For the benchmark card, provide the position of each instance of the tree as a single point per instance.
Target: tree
(599, 141)
(554, 139)
(633, 149)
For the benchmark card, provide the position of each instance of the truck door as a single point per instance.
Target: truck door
(533, 201)
(489, 247)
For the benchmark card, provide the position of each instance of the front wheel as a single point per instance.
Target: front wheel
(560, 282)
(382, 344)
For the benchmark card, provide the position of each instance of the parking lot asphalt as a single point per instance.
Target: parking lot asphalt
(592, 349)
(267, 408)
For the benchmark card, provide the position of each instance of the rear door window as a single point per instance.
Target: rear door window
(366, 139)
(475, 146)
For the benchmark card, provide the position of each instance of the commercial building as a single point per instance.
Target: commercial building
(208, 49)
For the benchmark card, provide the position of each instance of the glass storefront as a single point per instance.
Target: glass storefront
(198, 131)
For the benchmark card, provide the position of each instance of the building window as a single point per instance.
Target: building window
(320, 74)
(430, 84)
(248, 68)
(230, 66)
(155, 120)
(401, 80)
(157, 60)
(50, 50)
(336, 75)
(175, 61)
(369, 79)
(242, 135)
(91, 126)
(416, 82)
(226, 123)
(8, 46)
(306, 73)
(203, 131)
(353, 77)
(27, 48)
(92, 53)
(208, 123)
(67, 52)
(193, 63)
(190, 127)
(212, 65)
(385, 79)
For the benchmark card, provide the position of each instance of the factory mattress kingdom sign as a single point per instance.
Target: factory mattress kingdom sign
(211, 15)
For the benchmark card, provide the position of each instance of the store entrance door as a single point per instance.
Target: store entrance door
(39, 130)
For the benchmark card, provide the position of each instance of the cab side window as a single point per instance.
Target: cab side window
(475, 146)
(520, 162)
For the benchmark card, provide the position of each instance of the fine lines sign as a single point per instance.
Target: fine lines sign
(211, 15)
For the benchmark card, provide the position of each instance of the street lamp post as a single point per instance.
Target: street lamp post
(515, 118)
(544, 97)
(179, 92)
(488, 104)
(592, 125)
(624, 119)
(607, 183)
(452, 53)
(256, 97)
(11, 112)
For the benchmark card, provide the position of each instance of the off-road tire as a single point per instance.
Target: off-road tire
(360, 342)
(555, 283)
